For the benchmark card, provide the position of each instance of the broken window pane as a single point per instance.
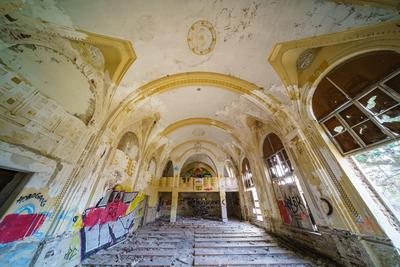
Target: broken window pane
(394, 83)
(369, 132)
(334, 126)
(358, 73)
(377, 101)
(382, 168)
(352, 115)
(391, 119)
(346, 142)
(326, 99)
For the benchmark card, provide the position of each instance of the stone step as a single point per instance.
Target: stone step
(165, 241)
(241, 251)
(137, 252)
(234, 245)
(228, 235)
(232, 239)
(247, 261)
(207, 232)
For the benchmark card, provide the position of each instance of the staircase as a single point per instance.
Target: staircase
(191, 242)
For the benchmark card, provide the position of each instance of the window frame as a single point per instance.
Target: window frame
(382, 87)
(290, 174)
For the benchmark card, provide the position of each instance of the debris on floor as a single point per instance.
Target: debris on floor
(198, 242)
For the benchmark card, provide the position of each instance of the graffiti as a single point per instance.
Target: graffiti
(63, 250)
(26, 209)
(18, 254)
(104, 226)
(18, 226)
(67, 217)
(200, 206)
(72, 252)
(294, 204)
(284, 213)
(37, 196)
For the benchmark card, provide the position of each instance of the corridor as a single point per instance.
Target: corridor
(198, 242)
(120, 118)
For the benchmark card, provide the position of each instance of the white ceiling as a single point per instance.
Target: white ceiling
(190, 102)
(246, 32)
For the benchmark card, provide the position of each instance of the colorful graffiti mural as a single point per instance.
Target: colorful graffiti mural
(25, 220)
(105, 225)
(115, 215)
(17, 226)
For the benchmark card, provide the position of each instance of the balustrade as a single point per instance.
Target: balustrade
(192, 184)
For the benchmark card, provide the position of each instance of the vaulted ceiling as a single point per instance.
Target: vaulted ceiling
(225, 38)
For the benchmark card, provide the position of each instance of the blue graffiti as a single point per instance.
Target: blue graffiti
(27, 209)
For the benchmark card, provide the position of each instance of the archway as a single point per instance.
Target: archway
(362, 118)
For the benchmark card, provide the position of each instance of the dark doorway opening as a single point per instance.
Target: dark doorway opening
(11, 183)
(233, 205)
(199, 205)
(164, 205)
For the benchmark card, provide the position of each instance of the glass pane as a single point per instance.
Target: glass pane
(269, 163)
(377, 101)
(275, 142)
(352, 115)
(369, 132)
(267, 148)
(391, 119)
(285, 168)
(290, 165)
(346, 142)
(394, 83)
(363, 71)
(334, 126)
(285, 156)
(326, 99)
(272, 172)
(382, 167)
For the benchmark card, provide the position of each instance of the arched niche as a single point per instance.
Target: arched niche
(53, 75)
(168, 170)
(129, 144)
(198, 165)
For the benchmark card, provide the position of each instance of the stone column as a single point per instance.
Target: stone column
(222, 197)
(174, 205)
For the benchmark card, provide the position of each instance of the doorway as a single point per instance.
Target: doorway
(11, 184)
(233, 206)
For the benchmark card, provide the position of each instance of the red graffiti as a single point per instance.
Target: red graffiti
(284, 213)
(110, 213)
(17, 226)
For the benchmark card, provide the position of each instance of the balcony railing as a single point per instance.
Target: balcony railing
(191, 184)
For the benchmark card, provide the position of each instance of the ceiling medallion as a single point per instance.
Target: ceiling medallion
(306, 58)
(201, 37)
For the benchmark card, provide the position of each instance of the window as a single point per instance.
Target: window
(247, 175)
(358, 105)
(251, 190)
(291, 202)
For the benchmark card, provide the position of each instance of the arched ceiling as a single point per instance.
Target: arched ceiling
(202, 65)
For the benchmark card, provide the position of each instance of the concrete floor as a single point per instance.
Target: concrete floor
(198, 242)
